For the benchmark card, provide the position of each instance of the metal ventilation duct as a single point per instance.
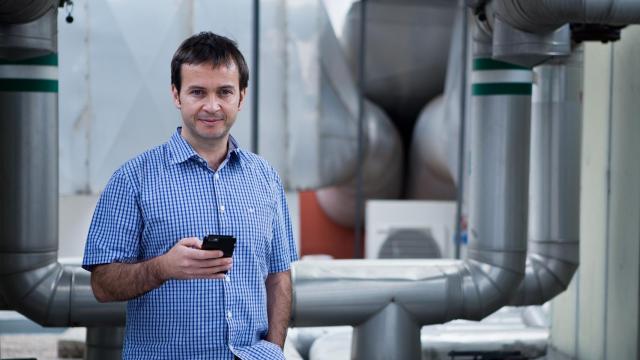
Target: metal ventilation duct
(554, 195)
(400, 296)
(538, 16)
(32, 281)
(381, 168)
(406, 46)
(36, 38)
(23, 11)
(323, 100)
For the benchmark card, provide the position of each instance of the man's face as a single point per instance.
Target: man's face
(209, 101)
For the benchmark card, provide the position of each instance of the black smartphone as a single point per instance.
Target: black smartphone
(224, 243)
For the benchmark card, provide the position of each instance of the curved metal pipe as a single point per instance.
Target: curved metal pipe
(382, 170)
(433, 156)
(438, 291)
(547, 15)
(23, 11)
(554, 198)
(32, 281)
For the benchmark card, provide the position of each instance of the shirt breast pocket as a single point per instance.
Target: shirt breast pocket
(257, 221)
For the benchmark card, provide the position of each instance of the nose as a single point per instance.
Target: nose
(212, 104)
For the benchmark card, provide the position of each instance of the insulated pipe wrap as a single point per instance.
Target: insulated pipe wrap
(22, 11)
(554, 224)
(547, 15)
(32, 281)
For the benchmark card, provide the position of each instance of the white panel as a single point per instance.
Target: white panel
(75, 216)
(384, 216)
(272, 121)
(131, 44)
(624, 214)
(564, 317)
(232, 19)
(73, 97)
(593, 200)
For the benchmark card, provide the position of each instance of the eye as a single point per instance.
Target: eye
(226, 92)
(197, 92)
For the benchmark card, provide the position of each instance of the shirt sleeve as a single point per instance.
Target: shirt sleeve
(283, 245)
(116, 227)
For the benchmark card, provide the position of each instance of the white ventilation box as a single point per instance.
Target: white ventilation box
(410, 229)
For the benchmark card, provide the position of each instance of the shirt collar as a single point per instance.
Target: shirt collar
(182, 151)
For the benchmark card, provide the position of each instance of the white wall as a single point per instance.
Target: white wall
(115, 99)
(598, 317)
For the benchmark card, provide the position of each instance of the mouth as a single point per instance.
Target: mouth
(210, 120)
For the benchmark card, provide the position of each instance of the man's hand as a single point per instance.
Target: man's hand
(186, 260)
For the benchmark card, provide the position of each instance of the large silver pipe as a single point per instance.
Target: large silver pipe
(430, 292)
(406, 50)
(433, 156)
(382, 170)
(547, 15)
(23, 11)
(554, 201)
(32, 281)
(27, 40)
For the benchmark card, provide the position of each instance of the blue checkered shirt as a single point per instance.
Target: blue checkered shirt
(169, 193)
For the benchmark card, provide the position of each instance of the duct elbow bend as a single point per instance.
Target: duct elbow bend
(545, 277)
(52, 294)
(487, 288)
(536, 16)
(41, 294)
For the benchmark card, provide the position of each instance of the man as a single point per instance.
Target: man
(144, 241)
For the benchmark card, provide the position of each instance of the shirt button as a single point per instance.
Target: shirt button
(221, 208)
(216, 176)
(228, 314)
(226, 278)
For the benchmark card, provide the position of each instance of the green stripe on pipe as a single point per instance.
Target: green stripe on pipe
(501, 89)
(28, 85)
(490, 64)
(51, 59)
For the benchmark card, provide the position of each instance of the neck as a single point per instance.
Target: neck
(214, 152)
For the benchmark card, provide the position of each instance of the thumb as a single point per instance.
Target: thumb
(191, 242)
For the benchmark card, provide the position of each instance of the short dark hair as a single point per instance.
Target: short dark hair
(207, 47)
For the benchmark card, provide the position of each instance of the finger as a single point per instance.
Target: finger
(210, 270)
(191, 242)
(208, 254)
(209, 263)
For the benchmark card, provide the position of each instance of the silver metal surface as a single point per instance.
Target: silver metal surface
(438, 291)
(35, 38)
(32, 281)
(392, 326)
(548, 15)
(324, 107)
(529, 49)
(554, 196)
(433, 155)
(104, 343)
(20, 11)
(504, 330)
(406, 52)
(382, 170)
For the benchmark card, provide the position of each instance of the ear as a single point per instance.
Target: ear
(175, 95)
(243, 94)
